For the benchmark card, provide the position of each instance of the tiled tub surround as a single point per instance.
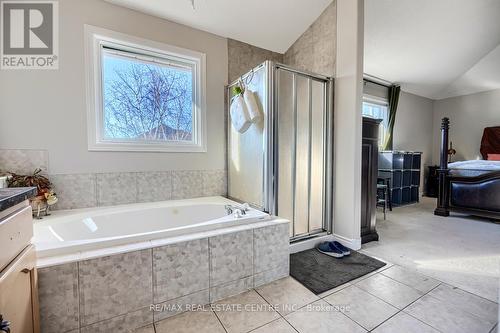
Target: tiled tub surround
(109, 189)
(114, 293)
(84, 190)
(24, 161)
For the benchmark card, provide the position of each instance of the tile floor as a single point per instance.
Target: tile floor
(460, 250)
(444, 277)
(391, 299)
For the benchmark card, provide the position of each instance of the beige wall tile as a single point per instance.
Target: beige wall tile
(24, 161)
(75, 190)
(315, 49)
(116, 188)
(58, 297)
(187, 184)
(131, 322)
(231, 257)
(180, 269)
(271, 247)
(154, 186)
(242, 57)
(115, 285)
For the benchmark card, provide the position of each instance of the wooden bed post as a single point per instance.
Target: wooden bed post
(442, 201)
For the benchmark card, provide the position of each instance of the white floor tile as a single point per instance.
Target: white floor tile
(277, 326)
(190, 322)
(411, 278)
(389, 290)
(320, 317)
(244, 312)
(403, 322)
(446, 318)
(460, 250)
(362, 307)
(331, 291)
(145, 329)
(287, 294)
(471, 303)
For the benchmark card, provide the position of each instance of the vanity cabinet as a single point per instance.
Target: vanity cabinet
(18, 276)
(18, 293)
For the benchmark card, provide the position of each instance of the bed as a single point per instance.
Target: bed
(469, 187)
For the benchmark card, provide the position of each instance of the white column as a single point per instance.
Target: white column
(348, 121)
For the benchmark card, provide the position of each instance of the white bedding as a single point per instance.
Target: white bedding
(481, 165)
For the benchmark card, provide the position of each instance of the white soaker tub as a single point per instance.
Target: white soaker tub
(74, 235)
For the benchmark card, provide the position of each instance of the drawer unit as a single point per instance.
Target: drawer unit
(415, 178)
(405, 195)
(406, 178)
(414, 194)
(407, 160)
(16, 231)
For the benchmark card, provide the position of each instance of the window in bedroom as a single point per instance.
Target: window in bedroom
(378, 109)
(147, 96)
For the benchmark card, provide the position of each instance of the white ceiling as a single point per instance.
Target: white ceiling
(271, 24)
(434, 48)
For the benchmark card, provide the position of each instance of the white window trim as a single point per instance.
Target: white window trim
(95, 38)
(382, 102)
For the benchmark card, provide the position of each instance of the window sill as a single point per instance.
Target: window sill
(148, 147)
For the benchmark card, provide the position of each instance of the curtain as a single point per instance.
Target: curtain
(393, 107)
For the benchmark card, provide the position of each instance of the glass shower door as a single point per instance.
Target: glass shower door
(300, 157)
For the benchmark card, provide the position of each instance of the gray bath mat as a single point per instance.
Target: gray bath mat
(319, 272)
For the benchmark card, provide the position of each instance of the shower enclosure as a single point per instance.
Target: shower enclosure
(283, 164)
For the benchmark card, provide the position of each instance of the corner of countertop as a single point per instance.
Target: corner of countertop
(11, 196)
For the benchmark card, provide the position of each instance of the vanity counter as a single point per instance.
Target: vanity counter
(11, 196)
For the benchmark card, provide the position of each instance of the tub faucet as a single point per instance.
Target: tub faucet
(237, 211)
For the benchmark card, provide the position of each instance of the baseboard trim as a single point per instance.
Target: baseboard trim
(351, 243)
(311, 243)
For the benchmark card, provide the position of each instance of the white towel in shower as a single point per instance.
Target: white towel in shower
(239, 114)
(252, 106)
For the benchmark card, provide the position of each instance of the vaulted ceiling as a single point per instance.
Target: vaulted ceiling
(434, 48)
(271, 24)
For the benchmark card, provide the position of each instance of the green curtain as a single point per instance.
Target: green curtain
(393, 107)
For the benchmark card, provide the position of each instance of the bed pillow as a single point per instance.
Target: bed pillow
(493, 157)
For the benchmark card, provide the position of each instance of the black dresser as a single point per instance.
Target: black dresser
(432, 185)
(369, 171)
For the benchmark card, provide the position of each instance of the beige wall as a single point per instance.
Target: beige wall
(348, 121)
(413, 129)
(314, 51)
(242, 57)
(46, 109)
(469, 115)
(418, 123)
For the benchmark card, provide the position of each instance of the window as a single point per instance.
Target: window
(378, 109)
(143, 95)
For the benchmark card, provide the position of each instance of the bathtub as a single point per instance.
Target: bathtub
(102, 268)
(81, 233)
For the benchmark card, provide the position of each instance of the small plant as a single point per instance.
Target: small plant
(45, 196)
(37, 180)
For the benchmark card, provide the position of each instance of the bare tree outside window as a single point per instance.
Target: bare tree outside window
(146, 101)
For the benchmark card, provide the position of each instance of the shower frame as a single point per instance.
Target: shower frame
(270, 167)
